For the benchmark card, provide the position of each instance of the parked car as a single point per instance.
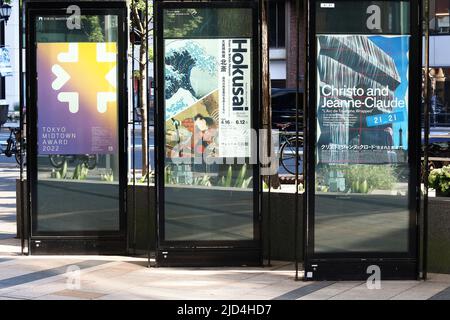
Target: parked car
(439, 147)
(284, 110)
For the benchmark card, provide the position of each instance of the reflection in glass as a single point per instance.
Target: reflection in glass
(439, 16)
(77, 125)
(362, 170)
(206, 197)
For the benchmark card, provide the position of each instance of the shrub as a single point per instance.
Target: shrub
(439, 179)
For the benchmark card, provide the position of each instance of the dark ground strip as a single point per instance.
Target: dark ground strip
(38, 275)
(303, 291)
(443, 295)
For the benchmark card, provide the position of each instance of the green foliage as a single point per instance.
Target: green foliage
(241, 181)
(81, 172)
(93, 28)
(108, 177)
(364, 178)
(232, 178)
(205, 181)
(149, 175)
(140, 4)
(150, 54)
(439, 179)
(241, 177)
(321, 188)
(228, 177)
(180, 26)
(61, 173)
(169, 175)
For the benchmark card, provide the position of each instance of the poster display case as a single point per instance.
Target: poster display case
(207, 119)
(363, 134)
(76, 109)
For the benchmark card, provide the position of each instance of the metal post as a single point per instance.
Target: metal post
(426, 94)
(265, 5)
(133, 134)
(148, 86)
(22, 132)
(26, 41)
(156, 135)
(297, 100)
(305, 125)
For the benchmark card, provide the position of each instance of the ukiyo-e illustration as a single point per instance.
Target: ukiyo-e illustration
(207, 97)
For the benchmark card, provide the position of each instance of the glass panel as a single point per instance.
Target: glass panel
(440, 97)
(440, 17)
(362, 170)
(356, 17)
(77, 125)
(208, 87)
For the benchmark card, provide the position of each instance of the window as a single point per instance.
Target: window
(440, 97)
(440, 17)
(277, 27)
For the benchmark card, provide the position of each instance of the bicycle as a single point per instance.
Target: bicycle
(14, 146)
(288, 148)
(58, 160)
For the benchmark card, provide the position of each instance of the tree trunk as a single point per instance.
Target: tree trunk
(143, 103)
(266, 97)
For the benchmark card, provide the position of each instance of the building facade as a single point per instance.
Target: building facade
(9, 86)
(283, 42)
(440, 63)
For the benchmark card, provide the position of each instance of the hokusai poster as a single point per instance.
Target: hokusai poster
(362, 98)
(77, 98)
(208, 97)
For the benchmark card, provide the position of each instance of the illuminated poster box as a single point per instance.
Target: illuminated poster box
(77, 98)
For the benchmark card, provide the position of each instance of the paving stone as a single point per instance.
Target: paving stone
(8, 298)
(388, 290)
(79, 294)
(423, 291)
(330, 291)
(37, 291)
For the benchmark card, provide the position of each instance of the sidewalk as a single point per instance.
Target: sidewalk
(8, 175)
(129, 278)
(109, 277)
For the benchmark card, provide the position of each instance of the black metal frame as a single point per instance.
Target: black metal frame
(105, 242)
(332, 266)
(22, 102)
(426, 142)
(173, 253)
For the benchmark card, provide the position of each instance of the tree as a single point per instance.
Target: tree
(142, 25)
(266, 94)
